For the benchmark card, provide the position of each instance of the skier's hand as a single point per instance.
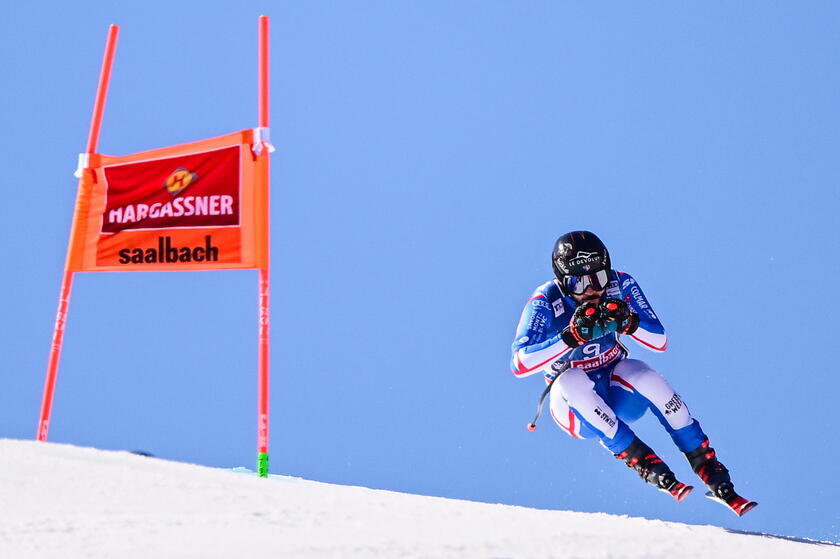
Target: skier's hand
(617, 311)
(583, 326)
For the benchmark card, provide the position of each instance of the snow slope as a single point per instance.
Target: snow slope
(60, 501)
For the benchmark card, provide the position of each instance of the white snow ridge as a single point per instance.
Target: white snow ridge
(61, 501)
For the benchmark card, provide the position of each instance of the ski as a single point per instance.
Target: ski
(736, 503)
(679, 491)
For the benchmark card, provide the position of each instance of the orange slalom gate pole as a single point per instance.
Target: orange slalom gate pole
(102, 89)
(67, 281)
(55, 354)
(264, 285)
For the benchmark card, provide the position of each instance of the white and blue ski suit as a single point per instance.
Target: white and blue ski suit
(603, 390)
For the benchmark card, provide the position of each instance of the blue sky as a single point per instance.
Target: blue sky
(429, 153)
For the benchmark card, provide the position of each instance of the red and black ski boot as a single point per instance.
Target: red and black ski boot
(705, 464)
(653, 470)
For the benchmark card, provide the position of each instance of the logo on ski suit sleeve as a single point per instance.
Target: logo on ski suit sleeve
(641, 302)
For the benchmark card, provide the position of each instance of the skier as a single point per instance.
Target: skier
(569, 330)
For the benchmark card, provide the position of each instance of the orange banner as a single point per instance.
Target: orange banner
(196, 206)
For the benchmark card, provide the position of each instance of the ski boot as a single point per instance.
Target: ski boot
(705, 464)
(653, 470)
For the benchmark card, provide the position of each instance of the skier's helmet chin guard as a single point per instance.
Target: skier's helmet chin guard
(580, 260)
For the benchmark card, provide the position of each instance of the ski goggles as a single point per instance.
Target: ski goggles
(578, 284)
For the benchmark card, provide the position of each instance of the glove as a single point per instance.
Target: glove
(616, 310)
(583, 326)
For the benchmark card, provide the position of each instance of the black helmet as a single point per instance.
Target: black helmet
(579, 253)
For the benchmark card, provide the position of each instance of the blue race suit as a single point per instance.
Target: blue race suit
(602, 391)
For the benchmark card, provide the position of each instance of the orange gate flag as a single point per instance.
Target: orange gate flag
(195, 206)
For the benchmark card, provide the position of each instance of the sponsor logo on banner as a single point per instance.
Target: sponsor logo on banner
(188, 191)
(179, 180)
(166, 252)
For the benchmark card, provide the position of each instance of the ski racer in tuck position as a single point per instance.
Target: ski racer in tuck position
(569, 330)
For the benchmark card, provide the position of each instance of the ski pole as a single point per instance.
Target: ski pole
(532, 426)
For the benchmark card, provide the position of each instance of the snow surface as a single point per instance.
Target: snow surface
(61, 501)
